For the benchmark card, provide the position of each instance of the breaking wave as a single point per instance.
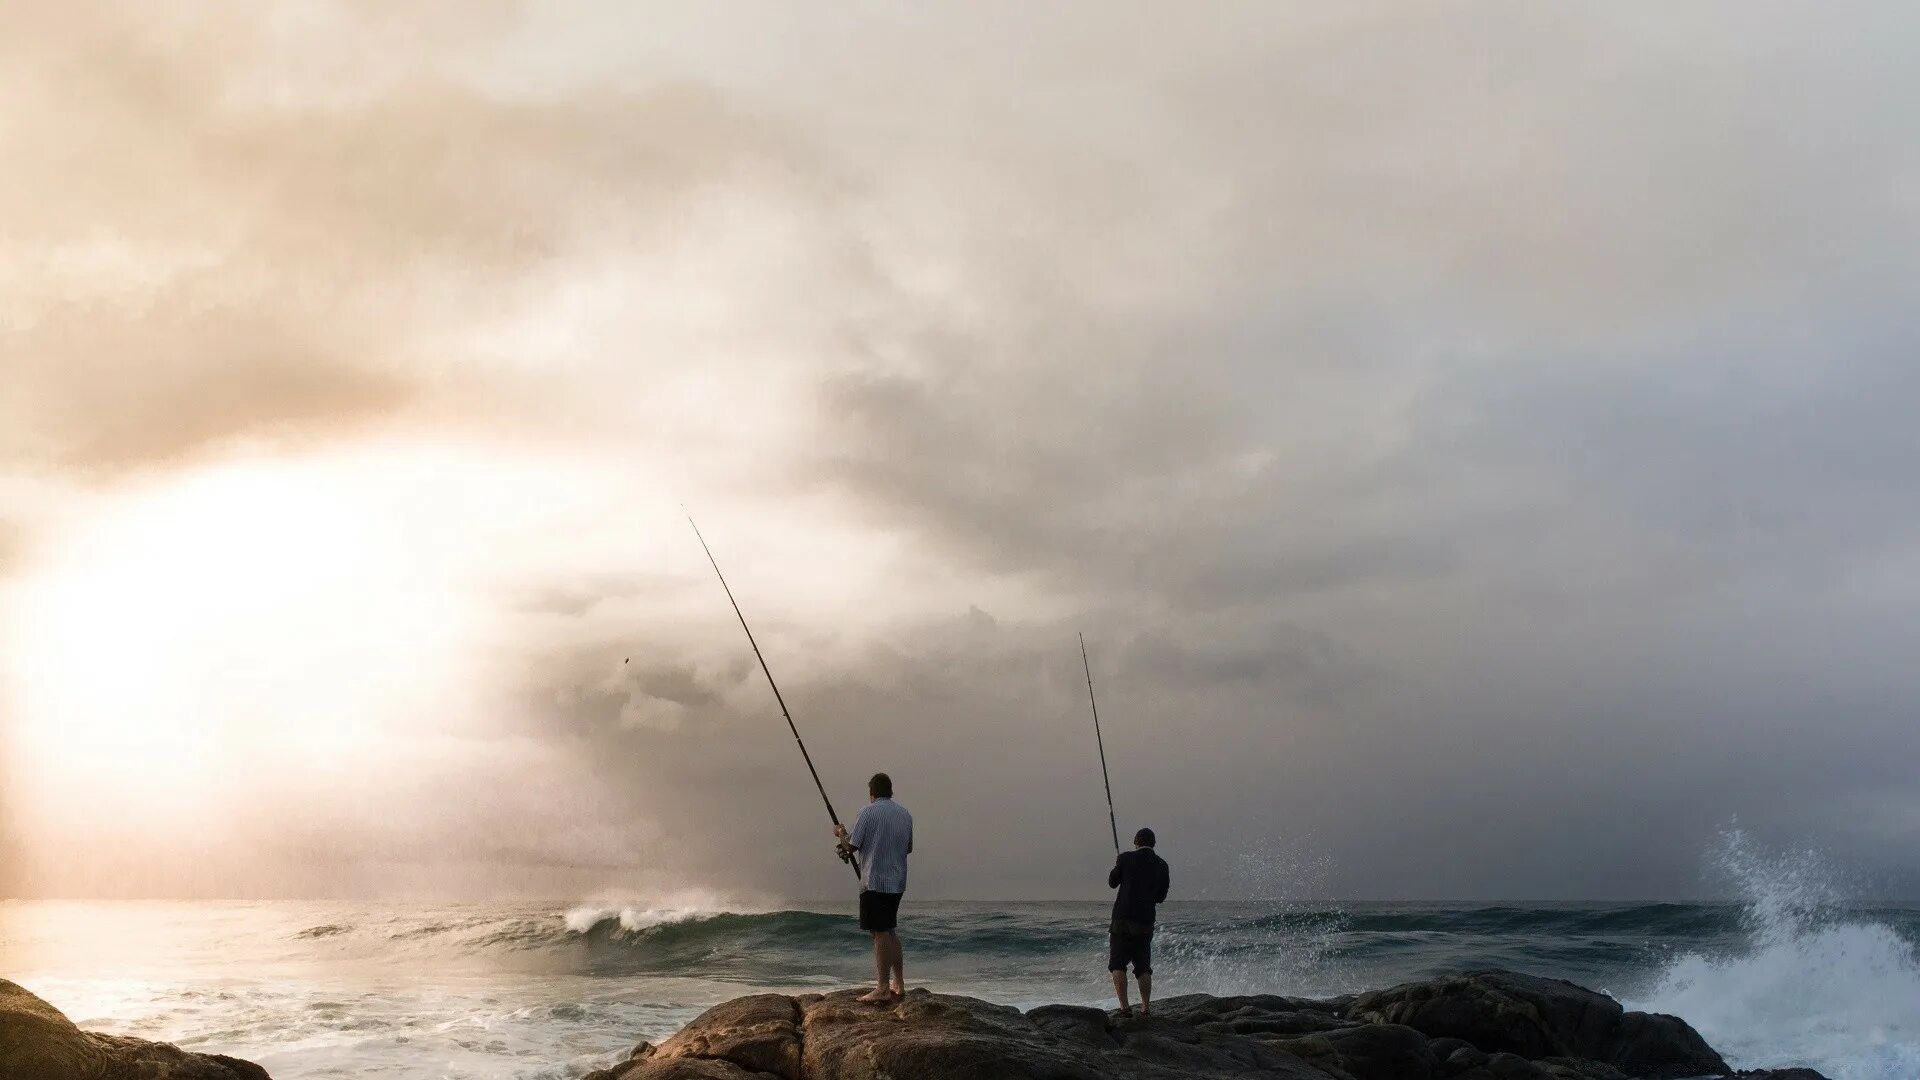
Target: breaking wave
(1811, 982)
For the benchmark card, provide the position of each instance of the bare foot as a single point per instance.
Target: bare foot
(876, 995)
(1146, 1010)
(1126, 1012)
(899, 991)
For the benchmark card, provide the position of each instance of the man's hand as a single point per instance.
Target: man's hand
(840, 833)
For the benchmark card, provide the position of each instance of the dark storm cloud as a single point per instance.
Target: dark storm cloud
(1742, 443)
(1476, 501)
(1581, 431)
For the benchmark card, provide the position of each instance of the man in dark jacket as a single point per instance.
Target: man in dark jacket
(1141, 876)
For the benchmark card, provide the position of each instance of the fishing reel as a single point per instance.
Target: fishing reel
(845, 851)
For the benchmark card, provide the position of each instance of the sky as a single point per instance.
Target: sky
(1474, 439)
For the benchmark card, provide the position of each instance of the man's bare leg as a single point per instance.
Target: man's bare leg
(882, 960)
(899, 964)
(1120, 990)
(1146, 992)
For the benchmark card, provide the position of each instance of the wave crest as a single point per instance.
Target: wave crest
(1814, 984)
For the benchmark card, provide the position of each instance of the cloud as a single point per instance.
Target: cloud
(208, 248)
(1470, 440)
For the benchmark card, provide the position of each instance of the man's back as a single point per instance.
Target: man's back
(1143, 880)
(883, 833)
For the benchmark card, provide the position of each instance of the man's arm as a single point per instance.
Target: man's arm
(1166, 882)
(862, 831)
(1113, 875)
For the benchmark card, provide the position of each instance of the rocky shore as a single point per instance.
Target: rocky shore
(38, 1042)
(1482, 1025)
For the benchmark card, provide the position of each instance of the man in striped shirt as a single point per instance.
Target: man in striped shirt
(883, 835)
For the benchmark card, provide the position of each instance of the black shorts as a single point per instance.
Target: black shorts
(879, 910)
(1130, 947)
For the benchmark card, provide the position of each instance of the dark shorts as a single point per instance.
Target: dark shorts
(879, 910)
(1129, 945)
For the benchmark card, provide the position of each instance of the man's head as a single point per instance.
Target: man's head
(880, 787)
(1143, 838)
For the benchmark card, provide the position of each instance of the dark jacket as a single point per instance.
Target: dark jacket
(1142, 878)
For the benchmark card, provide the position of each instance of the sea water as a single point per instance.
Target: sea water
(554, 990)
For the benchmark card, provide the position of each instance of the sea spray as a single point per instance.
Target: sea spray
(1292, 946)
(1815, 982)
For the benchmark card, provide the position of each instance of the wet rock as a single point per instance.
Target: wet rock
(941, 1037)
(1480, 1026)
(1367, 1052)
(1504, 1066)
(1463, 1057)
(38, 1042)
(1659, 1047)
(1076, 1023)
(759, 1034)
(934, 1035)
(1579, 1069)
(1532, 1017)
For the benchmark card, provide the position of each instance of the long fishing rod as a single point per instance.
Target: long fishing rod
(846, 853)
(1101, 743)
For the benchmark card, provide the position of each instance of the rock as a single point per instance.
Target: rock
(38, 1042)
(1488, 1025)
(759, 1034)
(1473, 1027)
(1498, 1012)
(1504, 1066)
(1367, 1052)
(942, 1037)
(1480, 1026)
(1076, 1023)
(678, 1069)
(934, 1035)
(1659, 1047)
(1579, 1069)
(1532, 1017)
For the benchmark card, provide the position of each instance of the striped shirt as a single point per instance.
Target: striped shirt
(883, 834)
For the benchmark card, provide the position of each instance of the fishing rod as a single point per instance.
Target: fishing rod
(1101, 743)
(846, 853)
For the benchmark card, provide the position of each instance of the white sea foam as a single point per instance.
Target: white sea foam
(634, 920)
(1814, 985)
(681, 906)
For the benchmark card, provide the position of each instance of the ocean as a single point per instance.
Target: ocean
(549, 991)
